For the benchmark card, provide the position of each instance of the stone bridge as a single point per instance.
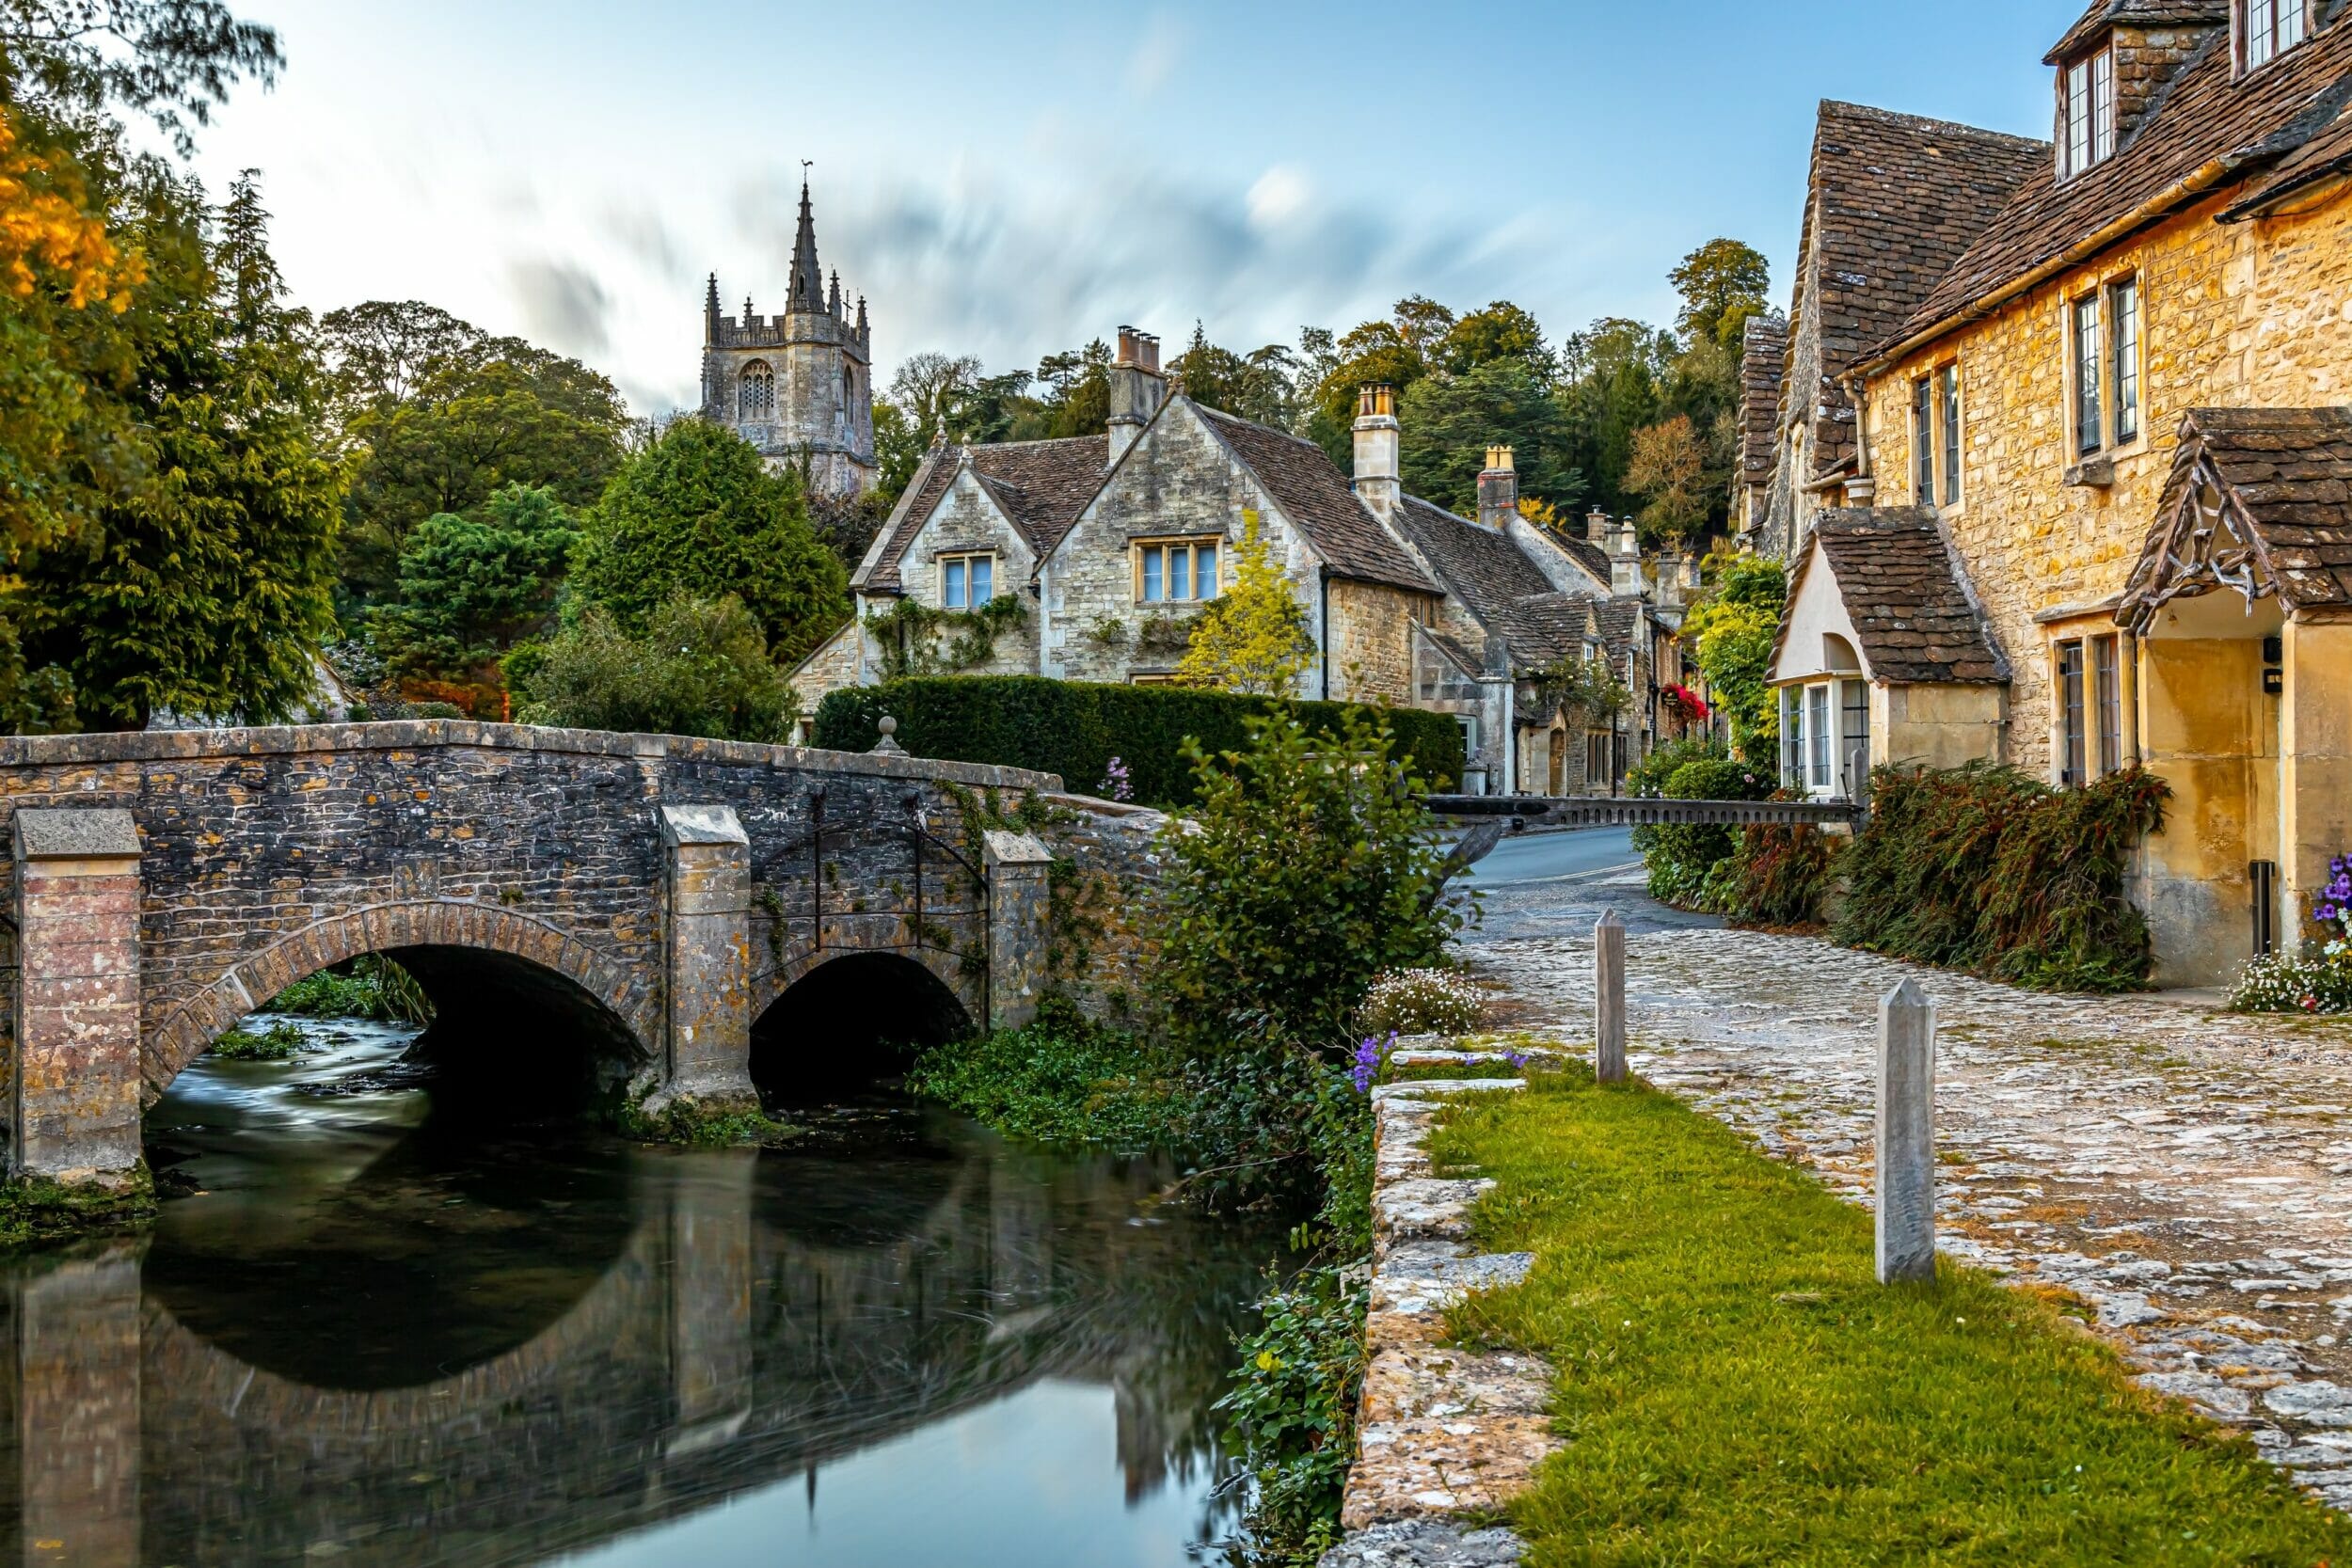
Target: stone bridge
(617, 910)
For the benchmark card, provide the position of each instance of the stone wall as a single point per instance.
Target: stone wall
(966, 521)
(1372, 642)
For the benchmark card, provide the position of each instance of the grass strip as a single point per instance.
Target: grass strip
(1734, 1387)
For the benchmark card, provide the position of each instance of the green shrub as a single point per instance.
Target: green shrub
(1779, 877)
(1680, 860)
(371, 988)
(1075, 729)
(701, 669)
(1291, 1411)
(1982, 868)
(1065, 1080)
(2285, 983)
(277, 1043)
(1423, 1002)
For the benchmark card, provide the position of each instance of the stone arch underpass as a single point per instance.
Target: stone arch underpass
(666, 892)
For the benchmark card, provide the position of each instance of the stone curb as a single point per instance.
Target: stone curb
(1440, 1433)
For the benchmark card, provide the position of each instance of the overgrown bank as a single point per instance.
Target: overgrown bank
(1738, 1388)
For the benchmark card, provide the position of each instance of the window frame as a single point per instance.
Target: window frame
(967, 559)
(2124, 359)
(2106, 377)
(2106, 699)
(2086, 127)
(2085, 336)
(2279, 18)
(1923, 439)
(1949, 412)
(2068, 667)
(1162, 551)
(756, 391)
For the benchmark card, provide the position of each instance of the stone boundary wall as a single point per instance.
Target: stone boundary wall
(1441, 1433)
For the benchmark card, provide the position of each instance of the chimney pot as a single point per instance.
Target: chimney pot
(1597, 527)
(1378, 483)
(1136, 388)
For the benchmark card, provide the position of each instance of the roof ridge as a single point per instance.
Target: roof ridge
(1842, 110)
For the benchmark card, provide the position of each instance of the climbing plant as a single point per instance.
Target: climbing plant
(909, 636)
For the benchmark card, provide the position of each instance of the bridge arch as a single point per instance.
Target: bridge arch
(831, 1020)
(427, 935)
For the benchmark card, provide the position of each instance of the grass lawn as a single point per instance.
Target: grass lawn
(1734, 1387)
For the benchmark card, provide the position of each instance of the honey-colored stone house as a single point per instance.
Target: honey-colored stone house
(2120, 416)
(1112, 544)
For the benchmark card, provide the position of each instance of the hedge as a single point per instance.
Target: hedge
(1075, 729)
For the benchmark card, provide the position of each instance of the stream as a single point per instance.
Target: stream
(374, 1334)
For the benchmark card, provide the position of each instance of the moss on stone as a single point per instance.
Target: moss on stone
(34, 1210)
(703, 1124)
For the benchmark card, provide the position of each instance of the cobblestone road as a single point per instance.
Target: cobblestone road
(2186, 1171)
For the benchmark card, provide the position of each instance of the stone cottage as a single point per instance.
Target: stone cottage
(1108, 546)
(2096, 485)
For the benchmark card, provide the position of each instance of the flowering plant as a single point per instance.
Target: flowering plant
(2333, 911)
(1118, 784)
(1688, 705)
(1424, 1002)
(2319, 980)
(1371, 1058)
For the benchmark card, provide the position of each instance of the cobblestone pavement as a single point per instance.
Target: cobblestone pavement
(2181, 1170)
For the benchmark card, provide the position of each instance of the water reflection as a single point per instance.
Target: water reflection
(374, 1338)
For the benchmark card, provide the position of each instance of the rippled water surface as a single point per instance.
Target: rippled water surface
(375, 1335)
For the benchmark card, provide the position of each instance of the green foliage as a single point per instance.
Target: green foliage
(34, 1210)
(1587, 688)
(700, 667)
(1738, 1388)
(698, 514)
(1291, 1411)
(1733, 629)
(170, 61)
(372, 988)
(471, 590)
(1309, 868)
(1681, 859)
(1448, 422)
(1065, 1081)
(690, 1124)
(1252, 639)
(1723, 284)
(281, 1041)
(205, 588)
(1983, 868)
(1779, 878)
(907, 635)
(1074, 729)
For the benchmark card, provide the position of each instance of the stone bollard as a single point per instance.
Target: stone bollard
(1609, 999)
(1906, 1134)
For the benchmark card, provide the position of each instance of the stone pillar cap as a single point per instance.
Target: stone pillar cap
(1017, 849)
(702, 825)
(76, 835)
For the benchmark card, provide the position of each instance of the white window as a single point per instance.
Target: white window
(2105, 352)
(1817, 733)
(756, 391)
(1176, 571)
(2085, 113)
(1825, 736)
(2268, 30)
(966, 582)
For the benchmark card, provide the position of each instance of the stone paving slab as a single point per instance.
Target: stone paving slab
(2179, 1169)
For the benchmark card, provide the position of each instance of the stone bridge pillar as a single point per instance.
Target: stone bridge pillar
(76, 1112)
(708, 1015)
(76, 1355)
(705, 1209)
(1020, 911)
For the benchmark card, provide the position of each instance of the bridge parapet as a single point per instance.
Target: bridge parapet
(1606, 811)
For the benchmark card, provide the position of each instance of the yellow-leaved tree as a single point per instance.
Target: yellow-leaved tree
(1252, 639)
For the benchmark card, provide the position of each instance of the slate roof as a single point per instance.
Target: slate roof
(1543, 627)
(1896, 201)
(1485, 569)
(2137, 14)
(2287, 472)
(1903, 593)
(1314, 495)
(1620, 625)
(2204, 117)
(1042, 486)
(1587, 554)
(1763, 361)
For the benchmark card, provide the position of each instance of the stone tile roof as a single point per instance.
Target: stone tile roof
(1620, 620)
(1896, 201)
(1763, 361)
(1587, 554)
(1483, 569)
(1041, 486)
(2281, 522)
(1543, 629)
(1318, 497)
(2204, 117)
(1456, 654)
(1904, 593)
(2104, 14)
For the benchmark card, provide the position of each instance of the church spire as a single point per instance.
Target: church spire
(808, 280)
(710, 310)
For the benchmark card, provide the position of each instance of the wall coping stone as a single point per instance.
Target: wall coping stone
(714, 824)
(76, 835)
(1004, 848)
(38, 750)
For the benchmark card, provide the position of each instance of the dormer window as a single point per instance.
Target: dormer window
(2087, 111)
(2268, 30)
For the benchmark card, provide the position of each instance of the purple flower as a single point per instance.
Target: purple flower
(1368, 1057)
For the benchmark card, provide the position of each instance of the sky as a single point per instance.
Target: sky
(1017, 177)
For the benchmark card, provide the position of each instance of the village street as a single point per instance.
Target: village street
(2184, 1171)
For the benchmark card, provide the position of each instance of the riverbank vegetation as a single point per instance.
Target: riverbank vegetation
(1735, 1387)
(371, 988)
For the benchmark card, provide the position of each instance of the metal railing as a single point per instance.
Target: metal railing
(1628, 811)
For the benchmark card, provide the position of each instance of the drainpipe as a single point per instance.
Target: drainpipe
(1863, 485)
(1323, 576)
(1510, 736)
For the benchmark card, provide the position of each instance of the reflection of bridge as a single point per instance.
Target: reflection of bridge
(717, 1353)
(656, 896)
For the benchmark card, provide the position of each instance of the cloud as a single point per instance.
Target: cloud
(564, 307)
(640, 231)
(1280, 193)
(1157, 54)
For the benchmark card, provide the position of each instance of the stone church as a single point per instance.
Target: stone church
(798, 385)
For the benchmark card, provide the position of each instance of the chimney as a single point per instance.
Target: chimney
(1670, 580)
(1693, 578)
(1138, 389)
(1498, 490)
(1597, 527)
(1377, 484)
(1625, 564)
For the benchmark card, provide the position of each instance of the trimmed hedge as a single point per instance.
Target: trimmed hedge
(1074, 729)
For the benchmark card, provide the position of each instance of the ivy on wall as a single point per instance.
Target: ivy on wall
(911, 636)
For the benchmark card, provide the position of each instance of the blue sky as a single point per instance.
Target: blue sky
(1007, 179)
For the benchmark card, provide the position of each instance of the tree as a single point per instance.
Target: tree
(207, 591)
(1253, 637)
(1449, 421)
(171, 61)
(1500, 331)
(1668, 466)
(1722, 283)
(1733, 629)
(471, 590)
(700, 667)
(899, 450)
(698, 512)
(381, 352)
(927, 389)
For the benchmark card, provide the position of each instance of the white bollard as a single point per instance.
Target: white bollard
(1609, 999)
(1906, 1134)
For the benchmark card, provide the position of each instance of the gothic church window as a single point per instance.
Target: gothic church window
(756, 395)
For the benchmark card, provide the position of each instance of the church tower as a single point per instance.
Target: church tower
(799, 384)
